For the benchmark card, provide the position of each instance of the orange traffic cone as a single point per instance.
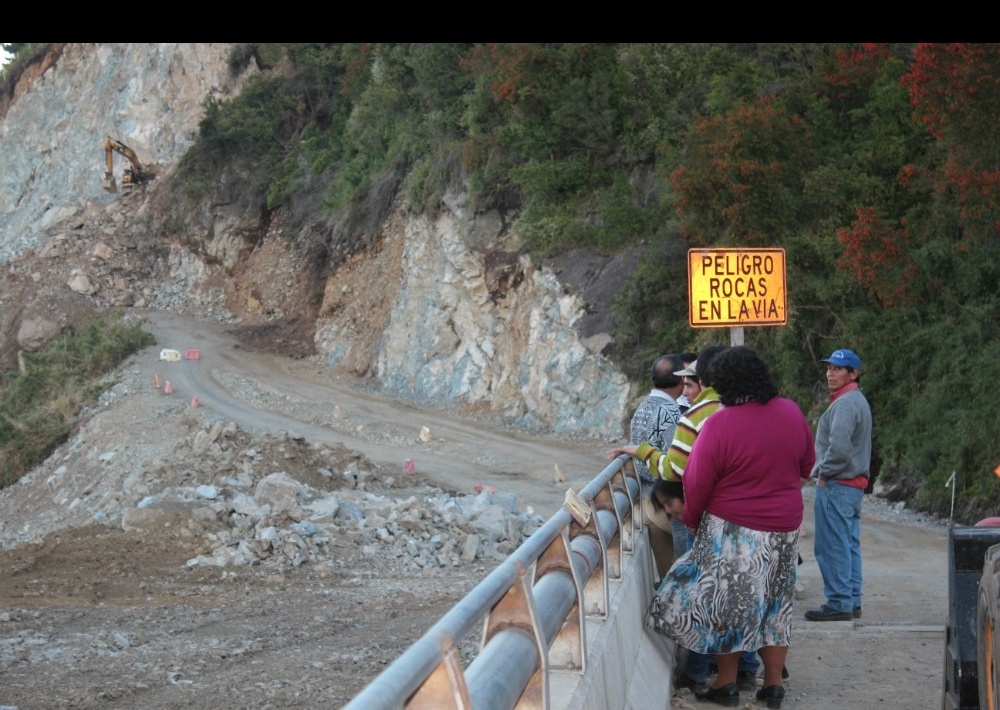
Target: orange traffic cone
(409, 467)
(156, 381)
(194, 402)
(167, 389)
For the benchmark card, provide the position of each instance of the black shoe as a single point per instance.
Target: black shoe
(773, 694)
(746, 681)
(825, 613)
(857, 612)
(683, 680)
(727, 696)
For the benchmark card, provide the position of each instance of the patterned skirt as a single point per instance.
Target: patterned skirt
(732, 591)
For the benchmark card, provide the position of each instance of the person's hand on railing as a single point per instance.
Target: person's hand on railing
(615, 453)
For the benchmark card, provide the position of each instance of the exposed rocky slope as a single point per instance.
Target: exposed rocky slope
(438, 309)
(52, 133)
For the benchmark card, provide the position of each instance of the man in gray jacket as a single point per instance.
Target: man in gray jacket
(843, 462)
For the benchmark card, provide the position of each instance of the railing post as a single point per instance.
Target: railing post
(605, 500)
(516, 610)
(595, 591)
(445, 688)
(628, 470)
(618, 484)
(567, 649)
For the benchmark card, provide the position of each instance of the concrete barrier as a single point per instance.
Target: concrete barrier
(628, 665)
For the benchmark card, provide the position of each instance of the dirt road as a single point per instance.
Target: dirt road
(892, 657)
(463, 448)
(93, 617)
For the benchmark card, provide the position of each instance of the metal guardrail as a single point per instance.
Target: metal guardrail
(534, 606)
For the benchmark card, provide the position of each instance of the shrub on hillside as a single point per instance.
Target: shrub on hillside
(39, 404)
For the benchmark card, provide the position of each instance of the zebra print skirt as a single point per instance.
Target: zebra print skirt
(732, 591)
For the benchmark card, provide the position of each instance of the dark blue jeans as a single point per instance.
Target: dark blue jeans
(696, 666)
(838, 544)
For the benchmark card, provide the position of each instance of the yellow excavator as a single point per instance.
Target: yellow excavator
(131, 176)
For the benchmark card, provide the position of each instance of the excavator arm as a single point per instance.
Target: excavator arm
(132, 176)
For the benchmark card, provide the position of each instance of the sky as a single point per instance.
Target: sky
(3, 57)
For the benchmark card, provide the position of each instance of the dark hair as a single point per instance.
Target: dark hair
(739, 375)
(663, 369)
(705, 358)
(669, 489)
(688, 358)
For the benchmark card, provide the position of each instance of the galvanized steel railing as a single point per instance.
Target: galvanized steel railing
(534, 606)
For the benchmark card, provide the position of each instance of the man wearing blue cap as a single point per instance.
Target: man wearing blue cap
(843, 461)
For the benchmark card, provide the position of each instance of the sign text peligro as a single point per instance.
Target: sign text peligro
(736, 287)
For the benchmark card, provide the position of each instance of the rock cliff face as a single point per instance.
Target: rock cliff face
(439, 310)
(149, 96)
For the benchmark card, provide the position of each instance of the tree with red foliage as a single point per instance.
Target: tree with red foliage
(955, 91)
(742, 178)
(855, 69)
(876, 258)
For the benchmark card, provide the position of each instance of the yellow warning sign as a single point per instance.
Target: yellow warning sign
(731, 287)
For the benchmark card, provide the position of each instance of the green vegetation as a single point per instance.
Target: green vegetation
(39, 405)
(23, 55)
(333, 131)
(876, 167)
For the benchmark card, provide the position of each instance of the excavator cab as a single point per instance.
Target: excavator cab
(131, 176)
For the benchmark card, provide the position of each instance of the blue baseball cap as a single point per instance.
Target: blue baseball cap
(844, 358)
